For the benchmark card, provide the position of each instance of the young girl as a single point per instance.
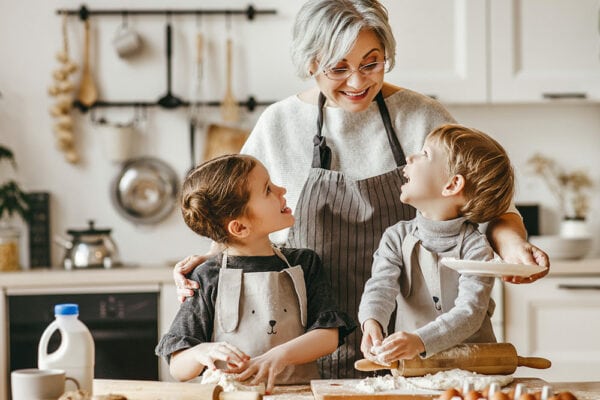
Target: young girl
(260, 311)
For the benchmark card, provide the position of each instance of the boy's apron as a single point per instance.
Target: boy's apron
(256, 311)
(343, 220)
(429, 289)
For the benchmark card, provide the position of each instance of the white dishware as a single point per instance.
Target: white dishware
(563, 248)
(491, 268)
(38, 384)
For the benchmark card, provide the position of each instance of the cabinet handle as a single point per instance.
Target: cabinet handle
(579, 287)
(558, 96)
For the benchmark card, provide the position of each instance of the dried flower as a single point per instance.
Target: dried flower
(570, 189)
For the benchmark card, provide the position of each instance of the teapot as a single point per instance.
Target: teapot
(89, 248)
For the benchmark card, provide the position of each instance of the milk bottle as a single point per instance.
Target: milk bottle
(75, 354)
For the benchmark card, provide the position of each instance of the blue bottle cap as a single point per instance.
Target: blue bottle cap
(66, 309)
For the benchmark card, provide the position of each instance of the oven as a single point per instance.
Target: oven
(122, 320)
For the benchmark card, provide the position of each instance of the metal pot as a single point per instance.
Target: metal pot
(89, 248)
(145, 190)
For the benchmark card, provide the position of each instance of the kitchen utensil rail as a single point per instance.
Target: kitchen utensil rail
(84, 13)
(251, 103)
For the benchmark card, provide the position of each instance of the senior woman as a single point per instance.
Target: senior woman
(339, 149)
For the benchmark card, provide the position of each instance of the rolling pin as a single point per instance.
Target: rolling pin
(482, 358)
(150, 390)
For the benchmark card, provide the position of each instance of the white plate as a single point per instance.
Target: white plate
(491, 268)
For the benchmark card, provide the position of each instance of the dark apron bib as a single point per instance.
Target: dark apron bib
(342, 220)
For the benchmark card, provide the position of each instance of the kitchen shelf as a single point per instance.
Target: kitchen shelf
(251, 103)
(84, 13)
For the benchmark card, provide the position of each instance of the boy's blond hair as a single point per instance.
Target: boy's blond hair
(483, 162)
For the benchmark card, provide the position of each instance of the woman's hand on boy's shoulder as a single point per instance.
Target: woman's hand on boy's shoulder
(526, 253)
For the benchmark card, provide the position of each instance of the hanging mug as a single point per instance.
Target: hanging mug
(126, 41)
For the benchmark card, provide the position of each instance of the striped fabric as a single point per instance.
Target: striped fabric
(343, 220)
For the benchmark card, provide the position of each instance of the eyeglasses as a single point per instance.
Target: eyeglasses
(342, 73)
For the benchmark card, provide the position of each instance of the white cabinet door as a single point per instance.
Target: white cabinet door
(4, 395)
(556, 318)
(544, 49)
(168, 307)
(441, 48)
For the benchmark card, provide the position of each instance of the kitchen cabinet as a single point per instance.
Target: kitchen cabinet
(558, 318)
(500, 51)
(441, 48)
(3, 346)
(168, 307)
(544, 49)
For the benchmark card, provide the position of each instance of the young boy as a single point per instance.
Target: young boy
(461, 177)
(260, 311)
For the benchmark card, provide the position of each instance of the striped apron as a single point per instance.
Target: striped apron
(342, 220)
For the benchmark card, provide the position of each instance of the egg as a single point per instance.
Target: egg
(566, 396)
(449, 394)
(473, 395)
(527, 396)
(499, 396)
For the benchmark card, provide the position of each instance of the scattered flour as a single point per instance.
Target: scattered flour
(228, 382)
(377, 384)
(454, 378)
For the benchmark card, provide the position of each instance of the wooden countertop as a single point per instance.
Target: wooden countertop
(158, 274)
(146, 390)
(58, 277)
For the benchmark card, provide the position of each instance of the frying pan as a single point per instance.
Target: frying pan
(145, 190)
(169, 100)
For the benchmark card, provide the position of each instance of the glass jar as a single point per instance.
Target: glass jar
(9, 248)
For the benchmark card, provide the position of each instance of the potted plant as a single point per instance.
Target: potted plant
(13, 201)
(571, 189)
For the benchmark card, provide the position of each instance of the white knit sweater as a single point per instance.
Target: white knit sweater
(283, 138)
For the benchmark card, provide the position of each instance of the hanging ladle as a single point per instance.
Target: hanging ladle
(169, 100)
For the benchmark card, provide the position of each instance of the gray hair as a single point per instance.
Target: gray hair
(326, 30)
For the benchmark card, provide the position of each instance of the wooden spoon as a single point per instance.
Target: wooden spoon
(229, 108)
(88, 94)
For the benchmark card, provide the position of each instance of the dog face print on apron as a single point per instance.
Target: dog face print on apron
(256, 311)
(343, 220)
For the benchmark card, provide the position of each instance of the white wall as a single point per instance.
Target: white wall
(30, 36)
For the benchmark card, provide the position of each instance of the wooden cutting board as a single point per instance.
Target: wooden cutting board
(336, 389)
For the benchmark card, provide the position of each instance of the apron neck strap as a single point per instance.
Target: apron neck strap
(279, 254)
(322, 152)
(224, 259)
(399, 156)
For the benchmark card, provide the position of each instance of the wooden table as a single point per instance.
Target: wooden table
(151, 390)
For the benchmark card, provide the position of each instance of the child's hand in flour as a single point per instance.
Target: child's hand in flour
(372, 337)
(263, 368)
(400, 346)
(208, 353)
